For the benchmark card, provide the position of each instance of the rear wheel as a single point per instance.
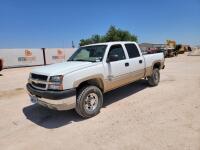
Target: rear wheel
(89, 101)
(154, 79)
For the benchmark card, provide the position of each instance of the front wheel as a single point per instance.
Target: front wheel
(154, 79)
(89, 101)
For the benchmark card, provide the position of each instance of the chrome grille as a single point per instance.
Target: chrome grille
(39, 81)
(39, 77)
(40, 85)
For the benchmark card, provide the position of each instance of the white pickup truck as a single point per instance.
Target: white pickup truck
(92, 70)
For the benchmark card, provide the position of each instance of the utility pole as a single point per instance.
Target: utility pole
(44, 55)
(73, 44)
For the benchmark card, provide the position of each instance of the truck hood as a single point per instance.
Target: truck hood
(62, 68)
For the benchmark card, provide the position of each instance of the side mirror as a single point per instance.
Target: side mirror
(113, 57)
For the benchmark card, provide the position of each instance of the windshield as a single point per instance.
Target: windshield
(89, 53)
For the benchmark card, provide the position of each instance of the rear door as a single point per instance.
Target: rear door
(136, 61)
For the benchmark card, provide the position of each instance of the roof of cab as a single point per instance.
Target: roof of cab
(110, 43)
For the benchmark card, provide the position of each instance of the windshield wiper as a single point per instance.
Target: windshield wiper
(82, 60)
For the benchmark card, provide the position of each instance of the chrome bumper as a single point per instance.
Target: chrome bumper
(66, 103)
(63, 104)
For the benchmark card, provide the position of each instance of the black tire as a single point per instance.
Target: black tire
(154, 79)
(84, 97)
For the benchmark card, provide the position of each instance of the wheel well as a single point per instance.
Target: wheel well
(96, 82)
(157, 65)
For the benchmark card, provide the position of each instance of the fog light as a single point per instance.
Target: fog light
(55, 87)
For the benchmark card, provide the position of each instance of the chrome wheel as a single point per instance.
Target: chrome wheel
(91, 102)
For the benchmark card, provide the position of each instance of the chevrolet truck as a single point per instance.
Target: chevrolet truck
(80, 82)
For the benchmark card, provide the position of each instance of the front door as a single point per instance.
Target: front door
(117, 70)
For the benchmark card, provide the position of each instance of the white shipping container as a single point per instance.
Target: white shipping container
(57, 55)
(21, 57)
(69, 52)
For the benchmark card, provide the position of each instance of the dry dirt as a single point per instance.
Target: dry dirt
(135, 117)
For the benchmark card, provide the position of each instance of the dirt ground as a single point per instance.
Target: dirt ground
(135, 117)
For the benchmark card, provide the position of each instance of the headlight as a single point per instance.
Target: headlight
(55, 83)
(56, 79)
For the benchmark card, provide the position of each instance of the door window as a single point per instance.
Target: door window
(132, 50)
(117, 50)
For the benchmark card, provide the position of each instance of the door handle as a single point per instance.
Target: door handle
(126, 64)
(140, 61)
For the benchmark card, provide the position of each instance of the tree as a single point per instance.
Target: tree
(113, 34)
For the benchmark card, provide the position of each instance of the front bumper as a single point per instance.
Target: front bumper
(59, 100)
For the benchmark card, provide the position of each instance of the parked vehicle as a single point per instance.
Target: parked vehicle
(152, 50)
(181, 49)
(170, 52)
(92, 71)
(163, 50)
(1, 64)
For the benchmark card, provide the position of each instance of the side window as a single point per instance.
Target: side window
(132, 50)
(117, 50)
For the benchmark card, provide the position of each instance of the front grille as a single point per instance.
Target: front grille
(40, 85)
(39, 81)
(39, 77)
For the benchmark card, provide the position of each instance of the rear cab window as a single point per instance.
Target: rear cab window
(132, 50)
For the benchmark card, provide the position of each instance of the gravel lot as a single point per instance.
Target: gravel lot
(135, 117)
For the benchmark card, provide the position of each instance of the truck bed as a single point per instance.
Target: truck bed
(150, 58)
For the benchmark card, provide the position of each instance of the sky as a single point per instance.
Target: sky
(56, 23)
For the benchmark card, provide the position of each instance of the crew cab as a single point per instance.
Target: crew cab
(80, 82)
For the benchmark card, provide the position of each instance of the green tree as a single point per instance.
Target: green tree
(113, 34)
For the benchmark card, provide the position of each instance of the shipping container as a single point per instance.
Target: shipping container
(21, 57)
(69, 52)
(57, 55)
